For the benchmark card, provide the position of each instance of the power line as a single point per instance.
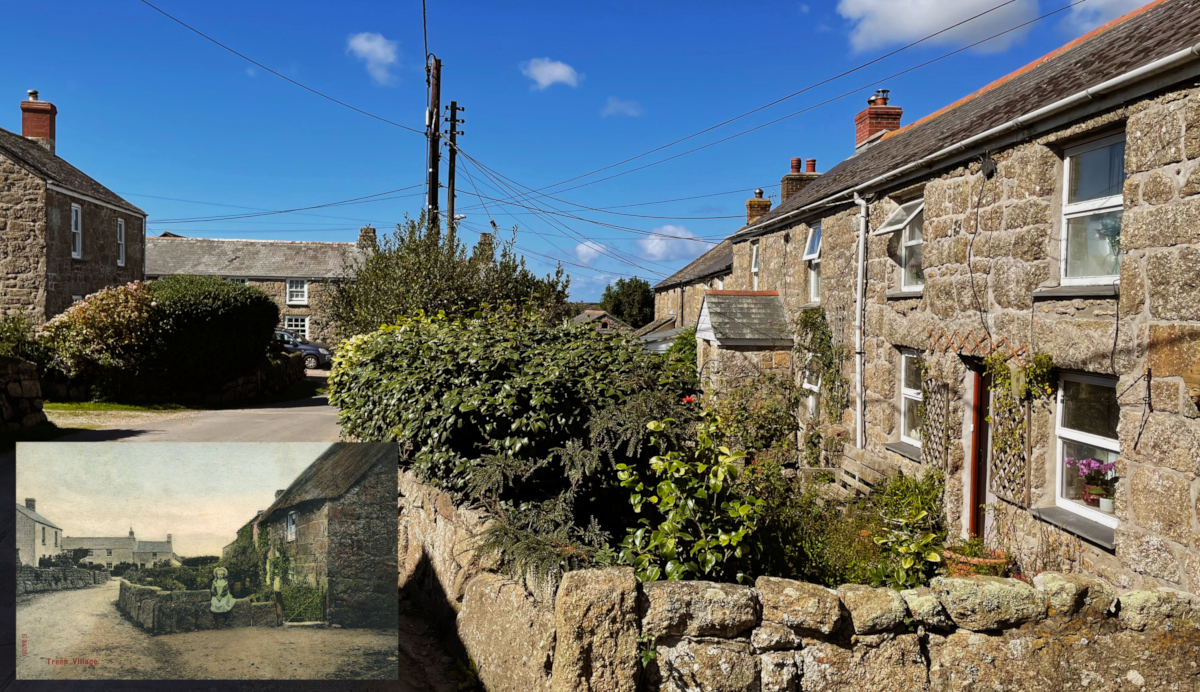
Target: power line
(277, 74)
(231, 217)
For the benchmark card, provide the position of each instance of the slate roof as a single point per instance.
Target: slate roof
(715, 261)
(258, 259)
(36, 517)
(334, 472)
(98, 542)
(668, 335)
(746, 315)
(49, 167)
(654, 326)
(1140, 37)
(153, 547)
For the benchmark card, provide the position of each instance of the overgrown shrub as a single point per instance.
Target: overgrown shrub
(18, 339)
(681, 359)
(170, 577)
(759, 417)
(912, 533)
(209, 329)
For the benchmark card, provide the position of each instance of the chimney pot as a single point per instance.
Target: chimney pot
(279, 494)
(131, 532)
(878, 117)
(797, 179)
(796, 165)
(37, 120)
(31, 504)
(812, 166)
(756, 207)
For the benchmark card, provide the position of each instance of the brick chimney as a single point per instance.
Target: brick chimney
(756, 207)
(37, 120)
(797, 180)
(877, 118)
(31, 504)
(367, 239)
(168, 538)
(131, 532)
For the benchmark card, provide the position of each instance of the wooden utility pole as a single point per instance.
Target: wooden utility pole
(433, 126)
(452, 116)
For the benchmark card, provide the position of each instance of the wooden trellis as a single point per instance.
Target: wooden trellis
(935, 398)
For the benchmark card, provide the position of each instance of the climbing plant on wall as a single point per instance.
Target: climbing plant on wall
(814, 339)
(1011, 386)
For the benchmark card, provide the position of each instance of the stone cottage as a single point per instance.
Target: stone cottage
(1054, 212)
(62, 234)
(113, 550)
(334, 529)
(602, 321)
(37, 536)
(293, 273)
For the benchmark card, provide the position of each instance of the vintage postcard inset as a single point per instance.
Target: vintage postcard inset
(213, 561)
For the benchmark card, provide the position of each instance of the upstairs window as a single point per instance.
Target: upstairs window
(910, 399)
(291, 526)
(120, 242)
(754, 265)
(43, 535)
(109, 553)
(235, 280)
(1087, 446)
(55, 539)
(909, 220)
(297, 292)
(1092, 206)
(812, 253)
(76, 232)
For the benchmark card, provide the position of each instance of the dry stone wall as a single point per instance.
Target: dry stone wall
(22, 242)
(35, 580)
(20, 395)
(168, 612)
(1066, 631)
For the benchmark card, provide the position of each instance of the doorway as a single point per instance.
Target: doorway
(978, 493)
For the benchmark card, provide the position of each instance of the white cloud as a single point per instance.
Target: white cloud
(1083, 18)
(882, 23)
(803, 8)
(616, 106)
(379, 53)
(250, 72)
(588, 251)
(546, 72)
(656, 247)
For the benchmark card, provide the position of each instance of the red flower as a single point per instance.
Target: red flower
(689, 399)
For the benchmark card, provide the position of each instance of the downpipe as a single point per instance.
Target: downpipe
(859, 312)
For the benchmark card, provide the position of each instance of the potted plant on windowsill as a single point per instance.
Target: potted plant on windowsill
(975, 556)
(1099, 482)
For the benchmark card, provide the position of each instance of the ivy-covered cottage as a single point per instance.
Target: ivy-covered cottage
(1008, 290)
(332, 535)
(293, 273)
(63, 235)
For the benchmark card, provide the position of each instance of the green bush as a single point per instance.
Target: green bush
(912, 533)
(18, 339)
(209, 329)
(681, 359)
(455, 390)
(170, 577)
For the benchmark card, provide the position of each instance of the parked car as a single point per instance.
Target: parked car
(315, 355)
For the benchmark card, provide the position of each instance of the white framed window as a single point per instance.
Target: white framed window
(754, 265)
(237, 280)
(720, 283)
(76, 232)
(812, 253)
(297, 292)
(1093, 202)
(297, 325)
(912, 240)
(120, 242)
(812, 383)
(108, 565)
(1086, 429)
(109, 552)
(910, 398)
(291, 526)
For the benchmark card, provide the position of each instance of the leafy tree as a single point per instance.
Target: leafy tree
(629, 300)
(421, 267)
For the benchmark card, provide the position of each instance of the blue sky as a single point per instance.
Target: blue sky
(552, 90)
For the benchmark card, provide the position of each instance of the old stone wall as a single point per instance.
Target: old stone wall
(320, 326)
(992, 249)
(97, 267)
(362, 554)
(35, 580)
(683, 301)
(168, 612)
(20, 395)
(307, 557)
(22, 242)
(1066, 631)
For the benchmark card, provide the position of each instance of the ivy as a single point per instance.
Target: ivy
(814, 339)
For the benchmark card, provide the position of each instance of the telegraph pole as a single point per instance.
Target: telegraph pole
(452, 116)
(433, 126)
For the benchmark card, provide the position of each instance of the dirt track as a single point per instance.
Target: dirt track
(84, 628)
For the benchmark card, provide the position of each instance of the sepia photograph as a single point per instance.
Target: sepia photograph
(225, 561)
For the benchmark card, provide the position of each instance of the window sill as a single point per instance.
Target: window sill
(905, 450)
(1093, 532)
(905, 295)
(810, 306)
(1091, 291)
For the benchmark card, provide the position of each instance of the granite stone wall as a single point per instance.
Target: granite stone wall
(320, 326)
(22, 242)
(1065, 631)
(361, 554)
(20, 395)
(36, 580)
(683, 301)
(992, 252)
(168, 612)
